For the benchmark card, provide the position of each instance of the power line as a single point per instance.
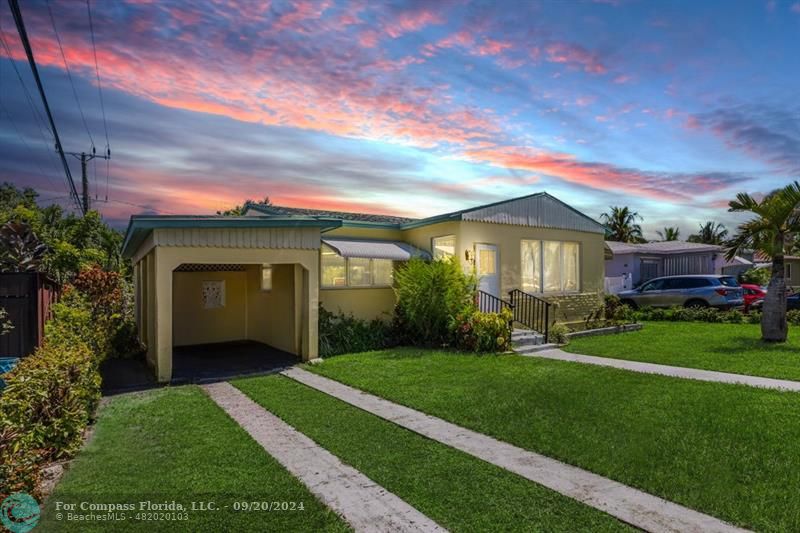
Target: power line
(100, 95)
(23, 35)
(44, 130)
(36, 113)
(97, 72)
(69, 74)
(24, 142)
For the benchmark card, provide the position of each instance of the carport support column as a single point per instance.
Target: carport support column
(163, 315)
(311, 329)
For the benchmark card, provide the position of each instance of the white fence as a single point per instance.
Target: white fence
(617, 284)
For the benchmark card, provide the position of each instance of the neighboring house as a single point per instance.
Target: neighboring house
(791, 263)
(261, 276)
(641, 262)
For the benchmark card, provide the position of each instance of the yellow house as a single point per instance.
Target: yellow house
(202, 280)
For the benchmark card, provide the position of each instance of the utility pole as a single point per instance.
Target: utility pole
(85, 158)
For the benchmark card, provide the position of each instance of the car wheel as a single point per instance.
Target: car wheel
(630, 303)
(696, 303)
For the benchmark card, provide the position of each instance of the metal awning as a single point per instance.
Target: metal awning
(394, 250)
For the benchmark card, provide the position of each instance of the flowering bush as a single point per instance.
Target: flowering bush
(484, 332)
(558, 334)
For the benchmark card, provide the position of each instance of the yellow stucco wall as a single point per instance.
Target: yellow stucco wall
(270, 314)
(508, 238)
(361, 303)
(192, 324)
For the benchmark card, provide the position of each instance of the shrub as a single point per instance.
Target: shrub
(50, 396)
(484, 332)
(340, 333)
(793, 317)
(558, 334)
(612, 312)
(430, 297)
(756, 276)
(48, 399)
(696, 314)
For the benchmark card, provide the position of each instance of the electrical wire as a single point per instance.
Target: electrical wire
(100, 94)
(69, 74)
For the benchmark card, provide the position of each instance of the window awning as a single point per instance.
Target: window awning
(394, 250)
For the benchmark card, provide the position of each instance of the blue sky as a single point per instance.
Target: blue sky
(415, 108)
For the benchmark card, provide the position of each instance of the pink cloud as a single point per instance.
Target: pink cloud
(622, 79)
(492, 48)
(572, 54)
(412, 21)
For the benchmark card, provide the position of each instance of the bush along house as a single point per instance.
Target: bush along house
(262, 276)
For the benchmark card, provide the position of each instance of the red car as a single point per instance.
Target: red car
(751, 294)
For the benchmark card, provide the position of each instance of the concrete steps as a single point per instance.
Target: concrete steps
(527, 341)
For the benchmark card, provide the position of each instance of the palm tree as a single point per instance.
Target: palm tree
(621, 225)
(669, 234)
(710, 233)
(775, 225)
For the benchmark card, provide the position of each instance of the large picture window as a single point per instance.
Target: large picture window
(444, 246)
(338, 271)
(550, 266)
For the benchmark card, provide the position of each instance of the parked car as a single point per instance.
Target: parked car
(722, 292)
(752, 293)
(792, 302)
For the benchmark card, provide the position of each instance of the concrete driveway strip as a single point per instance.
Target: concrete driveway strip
(630, 505)
(364, 504)
(672, 371)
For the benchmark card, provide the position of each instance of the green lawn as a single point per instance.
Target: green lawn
(176, 444)
(456, 490)
(733, 348)
(726, 450)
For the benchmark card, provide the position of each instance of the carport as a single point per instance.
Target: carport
(208, 286)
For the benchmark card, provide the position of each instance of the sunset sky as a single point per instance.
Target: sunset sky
(412, 108)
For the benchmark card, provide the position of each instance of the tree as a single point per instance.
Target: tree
(710, 233)
(775, 225)
(72, 242)
(621, 225)
(669, 234)
(238, 210)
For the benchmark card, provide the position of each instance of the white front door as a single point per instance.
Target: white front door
(487, 266)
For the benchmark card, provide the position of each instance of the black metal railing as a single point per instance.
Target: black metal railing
(489, 303)
(531, 311)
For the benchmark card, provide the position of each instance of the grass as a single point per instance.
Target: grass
(176, 444)
(725, 450)
(458, 491)
(733, 348)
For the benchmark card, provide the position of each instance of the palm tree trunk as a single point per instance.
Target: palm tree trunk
(773, 320)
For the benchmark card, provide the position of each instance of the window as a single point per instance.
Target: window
(656, 285)
(334, 268)
(550, 266)
(444, 246)
(337, 271)
(266, 277)
(487, 262)
(788, 270)
(359, 272)
(685, 283)
(729, 281)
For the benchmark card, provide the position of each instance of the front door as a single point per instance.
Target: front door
(487, 266)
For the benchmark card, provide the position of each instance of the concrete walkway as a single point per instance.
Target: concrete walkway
(672, 371)
(365, 505)
(630, 505)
